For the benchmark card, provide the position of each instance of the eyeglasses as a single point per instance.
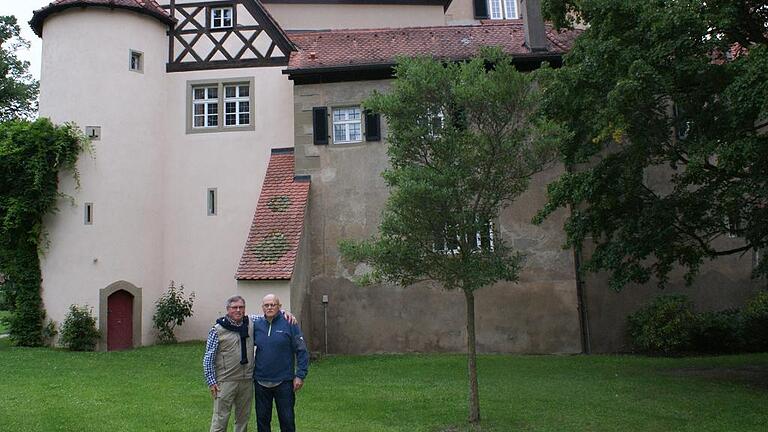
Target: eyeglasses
(269, 305)
(236, 307)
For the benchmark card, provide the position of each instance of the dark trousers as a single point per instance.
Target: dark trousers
(284, 402)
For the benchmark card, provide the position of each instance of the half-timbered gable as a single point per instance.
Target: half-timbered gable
(224, 34)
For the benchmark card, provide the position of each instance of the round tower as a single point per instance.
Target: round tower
(103, 68)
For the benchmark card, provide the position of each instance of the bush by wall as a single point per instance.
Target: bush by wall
(171, 309)
(719, 332)
(665, 326)
(756, 323)
(78, 332)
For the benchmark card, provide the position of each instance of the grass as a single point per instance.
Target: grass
(161, 389)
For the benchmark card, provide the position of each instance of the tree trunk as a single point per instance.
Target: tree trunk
(474, 396)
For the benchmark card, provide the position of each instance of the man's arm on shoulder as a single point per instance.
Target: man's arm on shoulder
(287, 315)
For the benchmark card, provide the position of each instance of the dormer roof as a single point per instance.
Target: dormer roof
(147, 7)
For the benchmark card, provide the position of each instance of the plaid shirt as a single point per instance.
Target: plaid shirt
(211, 348)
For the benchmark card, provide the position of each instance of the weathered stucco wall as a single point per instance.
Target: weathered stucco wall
(537, 315)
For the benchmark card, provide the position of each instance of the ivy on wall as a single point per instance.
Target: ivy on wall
(31, 156)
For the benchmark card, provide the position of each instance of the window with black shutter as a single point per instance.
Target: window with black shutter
(320, 125)
(481, 9)
(372, 126)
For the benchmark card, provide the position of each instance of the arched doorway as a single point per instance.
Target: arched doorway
(119, 321)
(120, 316)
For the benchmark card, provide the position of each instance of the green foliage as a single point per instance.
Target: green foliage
(667, 103)
(31, 156)
(463, 143)
(78, 331)
(719, 332)
(665, 326)
(756, 323)
(18, 91)
(171, 309)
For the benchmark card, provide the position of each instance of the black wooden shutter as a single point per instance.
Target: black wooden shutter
(481, 9)
(320, 125)
(372, 126)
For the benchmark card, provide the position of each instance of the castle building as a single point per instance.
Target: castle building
(231, 154)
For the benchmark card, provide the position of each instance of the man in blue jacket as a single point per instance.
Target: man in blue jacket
(282, 362)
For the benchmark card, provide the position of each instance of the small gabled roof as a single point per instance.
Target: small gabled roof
(147, 7)
(273, 241)
(381, 47)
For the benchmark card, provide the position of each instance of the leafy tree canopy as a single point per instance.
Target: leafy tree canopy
(667, 102)
(464, 140)
(18, 90)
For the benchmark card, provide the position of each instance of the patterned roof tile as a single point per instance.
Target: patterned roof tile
(273, 241)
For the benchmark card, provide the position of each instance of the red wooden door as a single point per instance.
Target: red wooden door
(119, 321)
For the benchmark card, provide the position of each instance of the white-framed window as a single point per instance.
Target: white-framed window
(347, 125)
(502, 9)
(88, 213)
(237, 105)
(449, 242)
(136, 61)
(205, 107)
(220, 106)
(212, 202)
(221, 17)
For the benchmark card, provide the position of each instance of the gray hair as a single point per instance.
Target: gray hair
(233, 299)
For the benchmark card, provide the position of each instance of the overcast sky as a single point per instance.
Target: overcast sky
(22, 9)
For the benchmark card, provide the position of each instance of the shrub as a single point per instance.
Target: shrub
(756, 323)
(719, 332)
(171, 309)
(78, 332)
(665, 326)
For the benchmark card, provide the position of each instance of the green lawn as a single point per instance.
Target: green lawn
(161, 389)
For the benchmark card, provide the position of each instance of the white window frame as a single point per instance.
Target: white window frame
(346, 123)
(502, 9)
(214, 105)
(238, 100)
(476, 246)
(225, 18)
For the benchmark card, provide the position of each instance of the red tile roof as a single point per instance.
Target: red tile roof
(148, 7)
(273, 241)
(339, 48)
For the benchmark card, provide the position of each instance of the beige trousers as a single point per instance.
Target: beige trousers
(237, 394)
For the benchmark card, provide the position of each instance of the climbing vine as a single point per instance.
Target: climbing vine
(31, 156)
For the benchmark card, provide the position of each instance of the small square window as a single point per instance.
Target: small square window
(93, 132)
(88, 214)
(136, 61)
(221, 17)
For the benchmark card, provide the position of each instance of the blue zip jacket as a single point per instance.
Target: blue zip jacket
(281, 353)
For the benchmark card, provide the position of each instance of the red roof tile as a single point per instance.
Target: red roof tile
(339, 48)
(148, 7)
(273, 241)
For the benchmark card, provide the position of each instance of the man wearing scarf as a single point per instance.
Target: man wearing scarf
(228, 365)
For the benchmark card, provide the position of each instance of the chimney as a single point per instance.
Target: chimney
(533, 26)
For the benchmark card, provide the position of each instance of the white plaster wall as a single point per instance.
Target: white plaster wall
(85, 79)
(202, 251)
(254, 291)
(354, 16)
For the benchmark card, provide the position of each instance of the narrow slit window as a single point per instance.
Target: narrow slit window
(88, 213)
(212, 204)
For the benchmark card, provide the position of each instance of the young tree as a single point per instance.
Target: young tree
(18, 91)
(464, 140)
(171, 309)
(667, 102)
